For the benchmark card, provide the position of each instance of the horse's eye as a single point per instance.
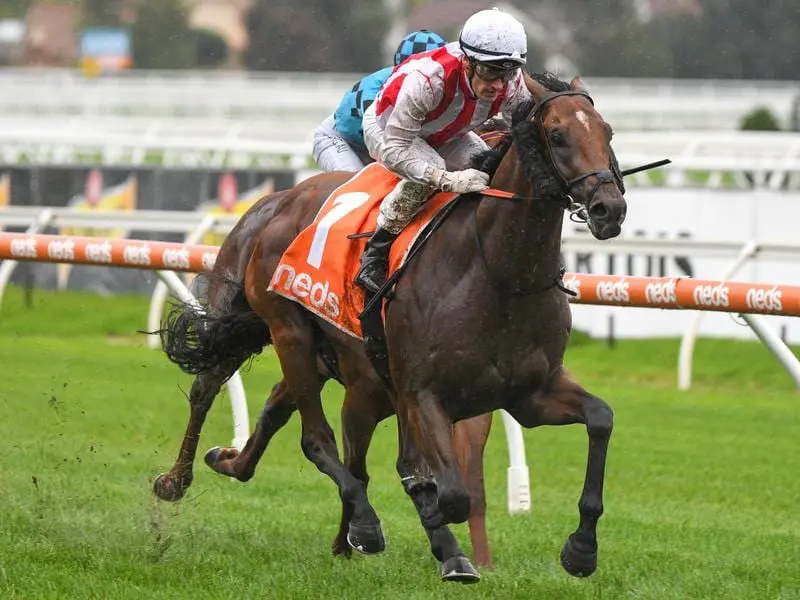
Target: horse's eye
(557, 138)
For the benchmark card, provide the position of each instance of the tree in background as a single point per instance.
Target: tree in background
(315, 35)
(211, 49)
(160, 33)
(734, 39)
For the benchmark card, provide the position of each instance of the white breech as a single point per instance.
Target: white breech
(332, 152)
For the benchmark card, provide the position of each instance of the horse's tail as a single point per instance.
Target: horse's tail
(199, 338)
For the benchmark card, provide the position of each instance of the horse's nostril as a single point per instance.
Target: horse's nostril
(599, 212)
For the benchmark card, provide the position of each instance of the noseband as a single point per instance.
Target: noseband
(610, 175)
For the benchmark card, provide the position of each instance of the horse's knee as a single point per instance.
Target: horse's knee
(454, 500)
(317, 442)
(599, 419)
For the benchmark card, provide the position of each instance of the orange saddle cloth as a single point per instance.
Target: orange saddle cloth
(319, 266)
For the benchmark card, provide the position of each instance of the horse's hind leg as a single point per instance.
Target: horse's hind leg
(242, 465)
(565, 402)
(360, 417)
(469, 440)
(172, 485)
(293, 337)
(421, 487)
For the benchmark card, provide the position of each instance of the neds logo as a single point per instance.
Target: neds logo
(136, 255)
(712, 295)
(761, 299)
(98, 253)
(613, 291)
(23, 248)
(573, 284)
(176, 259)
(61, 250)
(661, 293)
(302, 286)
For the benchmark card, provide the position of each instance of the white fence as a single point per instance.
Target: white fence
(711, 159)
(628, 103)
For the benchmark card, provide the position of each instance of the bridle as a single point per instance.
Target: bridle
(578, 211)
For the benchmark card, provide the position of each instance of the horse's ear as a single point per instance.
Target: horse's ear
(537, 90)
(577, 84)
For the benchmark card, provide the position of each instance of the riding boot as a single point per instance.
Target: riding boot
(375, 260)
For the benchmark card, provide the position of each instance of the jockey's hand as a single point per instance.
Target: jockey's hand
(462, 182)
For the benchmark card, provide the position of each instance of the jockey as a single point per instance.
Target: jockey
(421, 125)
(339, 140)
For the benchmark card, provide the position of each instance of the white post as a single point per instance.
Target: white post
(519, 487)
(686, 352)
(776, 345)
(241, 420)
(7, 267)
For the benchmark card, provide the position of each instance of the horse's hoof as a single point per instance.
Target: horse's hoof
(211, 457)
(367, 539)
(459, 569)
(577, 561)
(165, 488)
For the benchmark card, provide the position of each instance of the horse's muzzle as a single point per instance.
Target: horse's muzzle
(606, 215)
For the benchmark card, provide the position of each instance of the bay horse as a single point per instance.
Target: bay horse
(193, 350)
(484, 327)
(222, 296)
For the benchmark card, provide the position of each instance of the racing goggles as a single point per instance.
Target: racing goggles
(488, 72)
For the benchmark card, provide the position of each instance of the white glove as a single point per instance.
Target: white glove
(461, 182)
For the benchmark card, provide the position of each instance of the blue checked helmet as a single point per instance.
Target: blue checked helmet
(416, 42)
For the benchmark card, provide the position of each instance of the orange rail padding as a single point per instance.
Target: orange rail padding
(610, 290)
(685, 293)
(136, 254)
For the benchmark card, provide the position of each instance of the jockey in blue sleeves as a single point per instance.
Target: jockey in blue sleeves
(339, 140)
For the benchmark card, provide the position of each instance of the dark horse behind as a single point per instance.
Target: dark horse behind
(478, 323)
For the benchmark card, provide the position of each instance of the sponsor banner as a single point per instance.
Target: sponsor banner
(105, 49)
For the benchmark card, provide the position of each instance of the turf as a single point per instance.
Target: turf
(700, 492)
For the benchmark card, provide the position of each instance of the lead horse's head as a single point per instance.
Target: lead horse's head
(575, 142)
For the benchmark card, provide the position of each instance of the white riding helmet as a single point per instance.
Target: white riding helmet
(495, 37)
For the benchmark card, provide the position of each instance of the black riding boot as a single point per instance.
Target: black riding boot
(375, 261)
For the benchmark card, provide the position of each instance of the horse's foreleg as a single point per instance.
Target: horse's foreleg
(470, 437)
(432, 431)
(421, 487)
(565, 402)
(172, 485)
(242, 465)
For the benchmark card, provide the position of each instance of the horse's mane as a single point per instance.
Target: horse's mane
(528, 142)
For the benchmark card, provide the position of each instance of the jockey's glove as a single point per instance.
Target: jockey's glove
(460, 182)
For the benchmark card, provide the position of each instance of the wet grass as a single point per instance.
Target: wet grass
(700, 493)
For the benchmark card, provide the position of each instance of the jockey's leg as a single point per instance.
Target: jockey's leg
(331, 150)
(397, 210)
